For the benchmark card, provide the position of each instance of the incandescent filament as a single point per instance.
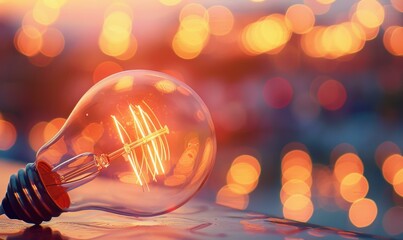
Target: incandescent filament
(149, 150)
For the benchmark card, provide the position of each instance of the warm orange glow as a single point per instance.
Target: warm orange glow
(346, 164)
(296, 157)
(323, 181)
(392, 39)
(229, 198)
(370, 13)
(311, 42)
(391, 166)
(244, 173)
(116, 38)
(363, 212)
(165, 86)
(54, 3)
(397, 4)
(326, 1)
(83, 144)
(392, 221)
(298, 207)
(44, 13)
(50, 131)
(93, 131)
(186, 162)
(318, 7)
(334, 41)
(53, 42)
(293, 187)
(150, 135)
(384, 150)
(300, 18)
(36, 135)
(175, 180)
(105, 69)
(130, 51)
(297, 172)
(193, 9)
(221, 20)
(248, 159)
(8, 135)
(192, 36)
(52, 128)
(332, 95)
(124, 83)
(28, 40)
(243, 176)
(268, 34)
(170, 2)
(354, 186)
(398, 182)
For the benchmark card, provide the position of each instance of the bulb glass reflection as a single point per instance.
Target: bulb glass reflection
(138, 143)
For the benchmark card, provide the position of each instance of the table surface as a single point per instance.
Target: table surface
(198, 219)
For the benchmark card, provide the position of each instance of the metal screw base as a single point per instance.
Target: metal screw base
(27, 199)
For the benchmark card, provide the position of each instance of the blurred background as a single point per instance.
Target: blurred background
(306, 96)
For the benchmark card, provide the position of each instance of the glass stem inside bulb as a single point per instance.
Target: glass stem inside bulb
(91, 164)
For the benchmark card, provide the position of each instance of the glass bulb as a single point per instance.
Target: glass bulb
(138, 143)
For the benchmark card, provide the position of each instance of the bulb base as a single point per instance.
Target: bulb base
(27, 199)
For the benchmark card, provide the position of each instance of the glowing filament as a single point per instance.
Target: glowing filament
(149, 139)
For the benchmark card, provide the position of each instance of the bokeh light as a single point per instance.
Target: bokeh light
(170, 2)
(53, 42)
(267, 35)
(384, 150)
(45, 12)
(243, 175)
(300, 18)
(397, 4)
(392, 221)
(333, 41)
(318, 7)
(392, 39)
(192, 36)
(227, 197)
(221, 20)
(36, 135)
(325, 73)
(296, 157)
(354, 186)
(331, 95)
(53, 127)
(346, 164)
(391, 166)
(398, 182)
(116, 38)
(8, 135)
(28, 40)
(370, 13)
(298, 207)
(277, 92)
(293, 187)
(193, 32)
(105, 69)
(363, 212)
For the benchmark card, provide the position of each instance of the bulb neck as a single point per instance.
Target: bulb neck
(27, 198)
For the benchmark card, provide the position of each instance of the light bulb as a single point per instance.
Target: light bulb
(138, 143)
